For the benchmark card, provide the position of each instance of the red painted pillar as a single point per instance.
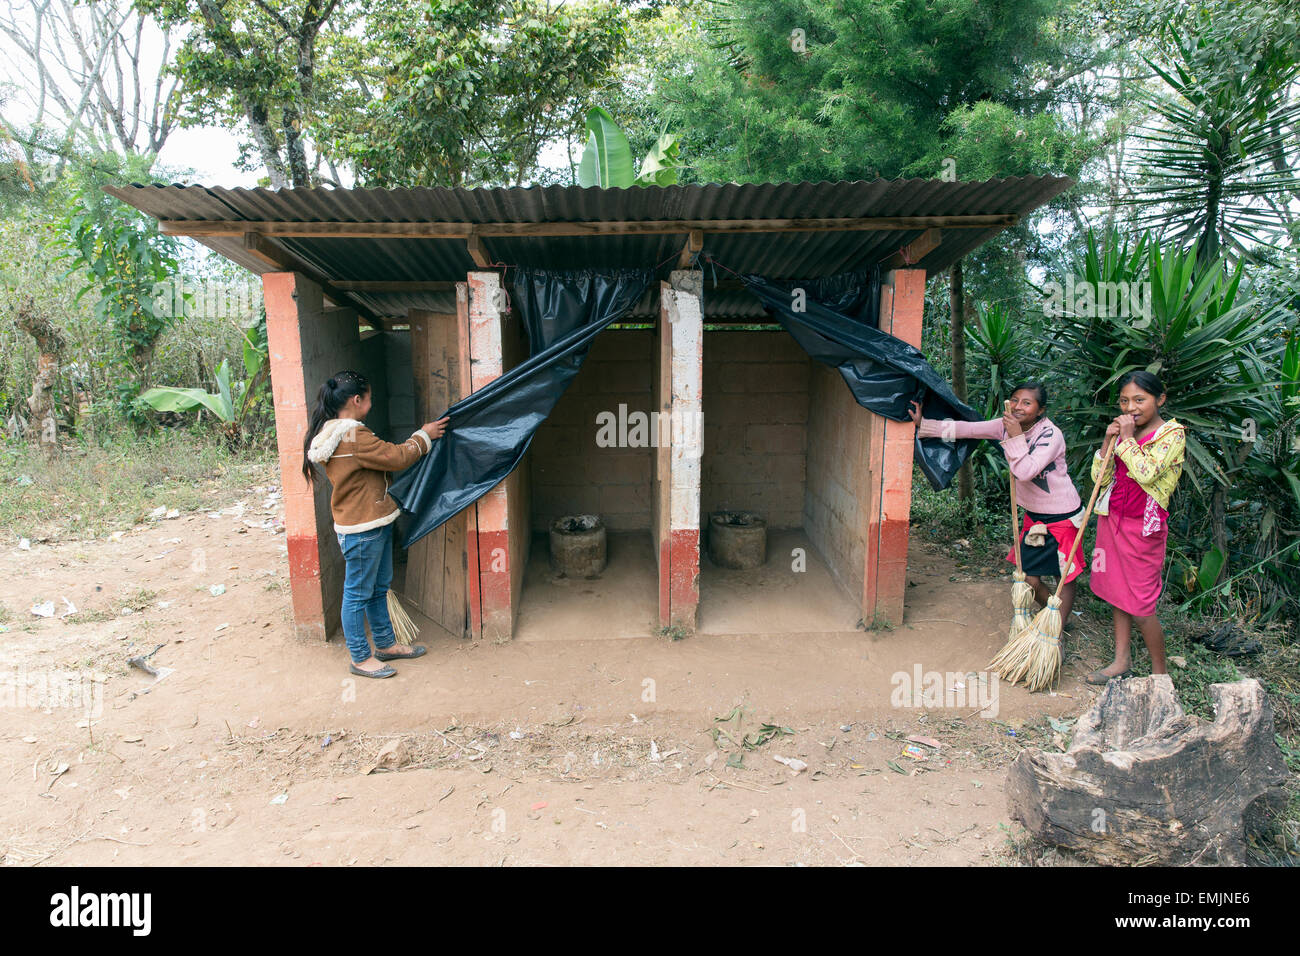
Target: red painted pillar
(489, 526)
(282, 291)
(884, 586)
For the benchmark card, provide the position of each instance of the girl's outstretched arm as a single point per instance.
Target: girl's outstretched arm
(951, 429)
(373, 452)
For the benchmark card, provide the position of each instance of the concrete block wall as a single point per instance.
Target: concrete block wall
(399, 412)
(756, 394)
(570, 473)
(836, 500)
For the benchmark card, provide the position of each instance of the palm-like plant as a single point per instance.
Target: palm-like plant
(1216, 161)
(1212, 351)
(221, 403)
(1216, 351)
(997, 347)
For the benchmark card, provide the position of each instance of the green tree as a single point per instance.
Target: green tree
(1218, 158)
(474, 90)
(122, 257)
(257, 62)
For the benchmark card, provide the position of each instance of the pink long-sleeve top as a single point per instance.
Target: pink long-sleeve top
(1036, 457)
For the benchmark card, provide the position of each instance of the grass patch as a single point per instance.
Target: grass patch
(92, 490)
(140, 600)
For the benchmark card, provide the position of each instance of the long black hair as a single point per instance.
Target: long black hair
(333, 395)
(1144, 380)
(1040, 396)
(1039, 390)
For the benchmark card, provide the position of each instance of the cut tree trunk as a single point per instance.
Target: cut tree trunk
(49, 345)
(1143, 782)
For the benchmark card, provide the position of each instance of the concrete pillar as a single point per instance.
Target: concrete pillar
(677, 473)
(492, 598)
(889, 498)
(307, 344)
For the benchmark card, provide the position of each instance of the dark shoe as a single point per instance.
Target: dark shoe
(382, 672)
(417, 650)
(1098, 679)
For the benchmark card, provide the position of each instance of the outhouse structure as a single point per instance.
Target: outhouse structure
(406, 286)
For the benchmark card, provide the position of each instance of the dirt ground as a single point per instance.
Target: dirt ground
(255, 748)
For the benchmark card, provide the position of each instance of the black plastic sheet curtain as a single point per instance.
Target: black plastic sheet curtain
(838, 327)
(490, 430)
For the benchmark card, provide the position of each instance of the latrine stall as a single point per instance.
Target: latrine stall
(413, 287)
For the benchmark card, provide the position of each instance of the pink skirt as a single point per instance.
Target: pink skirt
(1126, 567)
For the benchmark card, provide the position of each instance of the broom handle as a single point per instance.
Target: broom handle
(1015, 514)
(1078, 537)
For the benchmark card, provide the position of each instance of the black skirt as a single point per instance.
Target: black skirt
(1043, 560)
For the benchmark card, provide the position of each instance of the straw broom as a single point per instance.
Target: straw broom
(1022, 595)
(403, 626)
(1034, 656)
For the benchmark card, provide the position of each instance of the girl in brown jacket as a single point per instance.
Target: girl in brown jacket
(357, 463)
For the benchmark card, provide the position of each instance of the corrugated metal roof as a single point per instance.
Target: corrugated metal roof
(776, 255)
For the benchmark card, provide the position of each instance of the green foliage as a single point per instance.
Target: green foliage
(997, 345)
(1221, 138)
(468, 92)
(799, 89)
(607, 159)
(1211, 350)
(266, 65)
(122, 257)
(222, 402)
(168, 399)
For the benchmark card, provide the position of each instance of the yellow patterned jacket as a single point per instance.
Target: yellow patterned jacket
(1156, 466)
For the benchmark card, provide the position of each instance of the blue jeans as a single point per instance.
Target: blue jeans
(369, 558)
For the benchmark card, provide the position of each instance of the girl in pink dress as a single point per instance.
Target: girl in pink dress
(1035, 451)
(1132, 527)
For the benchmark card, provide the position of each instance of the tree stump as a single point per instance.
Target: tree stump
(1143, 782)
(49, 345)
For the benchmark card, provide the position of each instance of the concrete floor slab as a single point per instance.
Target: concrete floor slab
(775, 598)
(622, 602)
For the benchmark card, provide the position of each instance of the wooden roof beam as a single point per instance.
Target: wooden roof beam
(694, 243)
(380, 285)
(281, 260)
(204, 228)
(914, 251)
(476, 251)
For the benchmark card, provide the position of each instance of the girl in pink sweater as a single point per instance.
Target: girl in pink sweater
(1035, 450)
